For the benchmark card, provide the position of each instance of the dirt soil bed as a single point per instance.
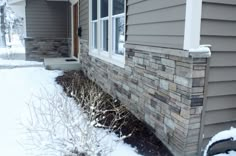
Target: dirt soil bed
(142, 137)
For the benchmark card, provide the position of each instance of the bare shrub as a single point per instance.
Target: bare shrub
(76, 84)
(58, 126)
(99, 106)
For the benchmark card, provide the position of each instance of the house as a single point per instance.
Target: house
(172, 62)
(47, 27)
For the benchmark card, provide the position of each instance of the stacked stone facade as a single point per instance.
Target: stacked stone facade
(161, 89)
(39, 48)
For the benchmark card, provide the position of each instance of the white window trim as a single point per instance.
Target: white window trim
(109, 57)
(102, 20)
(192, 24)
(116, 16)
(94, 21)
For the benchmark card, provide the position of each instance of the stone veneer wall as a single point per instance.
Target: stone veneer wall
(39, 48)
(163, 90)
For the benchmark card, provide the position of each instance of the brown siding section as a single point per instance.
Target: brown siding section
(47, 19)
(219, 30)
(156, 23)
(84, 18)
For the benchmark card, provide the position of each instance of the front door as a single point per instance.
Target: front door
(75, 28)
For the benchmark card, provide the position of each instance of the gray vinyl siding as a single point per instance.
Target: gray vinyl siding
(218, 28)
(47, 19)
(156, 23)
(84, 18)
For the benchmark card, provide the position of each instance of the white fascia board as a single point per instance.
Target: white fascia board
(192, 24)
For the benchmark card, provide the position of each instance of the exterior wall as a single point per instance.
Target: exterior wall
(48, 29)
(219, 30)
(84, 18)
(156, 23)
(161, 89)
(39, 48)
(47, 19)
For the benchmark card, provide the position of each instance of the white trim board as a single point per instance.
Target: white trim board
(192, 24)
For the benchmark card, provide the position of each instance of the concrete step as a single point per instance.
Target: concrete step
(65, 64)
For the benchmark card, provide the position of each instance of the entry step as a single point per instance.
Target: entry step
(65, 64)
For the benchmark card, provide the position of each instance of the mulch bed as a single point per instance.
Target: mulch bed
(142, 137)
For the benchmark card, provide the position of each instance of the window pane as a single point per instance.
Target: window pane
(94, 10)
(104, 8)
(118, 35)
(105, 35)
(94, 39)
(118, 7)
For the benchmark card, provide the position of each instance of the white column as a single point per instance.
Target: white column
(192, 24)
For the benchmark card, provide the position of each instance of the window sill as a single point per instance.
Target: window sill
(115, 61)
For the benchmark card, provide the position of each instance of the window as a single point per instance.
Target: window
(94, 35)
(118, 34)
(118, 7)
(104, 25)
(107, 30)
(94, 24)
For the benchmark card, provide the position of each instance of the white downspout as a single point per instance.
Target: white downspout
(192, 32)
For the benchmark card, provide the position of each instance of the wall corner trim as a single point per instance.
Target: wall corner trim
(192, 24)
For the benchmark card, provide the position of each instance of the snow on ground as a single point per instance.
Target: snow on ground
(13, 47)
(16, 88)
(19, 87)
(18, 63)
(13, 50)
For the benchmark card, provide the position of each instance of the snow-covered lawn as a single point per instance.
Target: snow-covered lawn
(18, 63)
(20, 87)
(14, 50)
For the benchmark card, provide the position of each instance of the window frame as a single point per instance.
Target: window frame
(101, 37)
(93, 22)
(109, 56)
(117, 56)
